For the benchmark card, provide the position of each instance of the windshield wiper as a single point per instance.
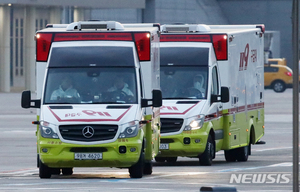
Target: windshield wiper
(176, 98)
(114, 102)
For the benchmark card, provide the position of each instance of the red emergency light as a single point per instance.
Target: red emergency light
(44, 40)
(142, 43)
(220, 46)
(185, 38)
(219, 41)
(92, 36)
(43, 44)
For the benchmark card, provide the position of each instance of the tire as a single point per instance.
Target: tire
(44, 170)
(38, 160)
(148, 168)
(249, 149)
(242, 153)
(209, 153)
(55, 171)
(67, 171)
(137, 170)
(230, 155)
(279, 86)
(171, 159)
(160, 159)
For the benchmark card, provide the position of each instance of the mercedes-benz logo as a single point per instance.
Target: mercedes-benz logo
(88, 132)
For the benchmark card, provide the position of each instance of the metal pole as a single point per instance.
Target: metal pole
(295, 42)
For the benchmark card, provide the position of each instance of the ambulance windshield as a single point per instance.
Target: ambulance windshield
(188, 82)
(89, 85)
(184, 72)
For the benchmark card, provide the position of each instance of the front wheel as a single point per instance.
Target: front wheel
(44, 170)
(209, 153)
(148, 168)
(137, 170)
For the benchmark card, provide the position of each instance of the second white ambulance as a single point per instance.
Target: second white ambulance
(212, 82)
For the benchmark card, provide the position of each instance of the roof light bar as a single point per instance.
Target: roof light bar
(56, 25)
(185, 28)
(108, 25)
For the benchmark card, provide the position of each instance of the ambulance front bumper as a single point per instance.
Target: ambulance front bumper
(186, 144)
(121, 153)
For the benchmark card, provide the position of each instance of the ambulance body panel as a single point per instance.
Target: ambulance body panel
(97, 122)
(226, 110)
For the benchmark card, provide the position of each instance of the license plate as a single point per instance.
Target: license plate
(87, 156)
(164, 146)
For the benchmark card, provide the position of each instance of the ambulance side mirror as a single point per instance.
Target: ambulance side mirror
(26, 101)
(224, 97)
(224, 94)
(156, 100)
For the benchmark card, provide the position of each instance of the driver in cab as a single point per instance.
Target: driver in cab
(198, 84)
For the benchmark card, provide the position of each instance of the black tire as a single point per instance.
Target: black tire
(242, 153)
(55, 171)
(44, 170)
(67, 171)
(209, 153)
(38, 160)
(171, 159)
(137, 170)
(230, 155)
(249, 149)
(278, 86)
(148, 168)
(160, 159)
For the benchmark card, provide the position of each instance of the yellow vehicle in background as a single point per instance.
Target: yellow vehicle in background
(278, 76)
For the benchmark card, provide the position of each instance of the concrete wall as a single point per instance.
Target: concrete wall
(275, 14)
(120, 15)
(184, 11)
(80, 3)
(166, 11)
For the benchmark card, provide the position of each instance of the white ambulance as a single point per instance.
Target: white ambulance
(98, 97)
(212, 83)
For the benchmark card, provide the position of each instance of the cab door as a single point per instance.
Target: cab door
(215, 109)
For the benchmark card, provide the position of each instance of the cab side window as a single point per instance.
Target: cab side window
(215, 82)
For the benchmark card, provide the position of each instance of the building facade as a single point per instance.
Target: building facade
(20, 19)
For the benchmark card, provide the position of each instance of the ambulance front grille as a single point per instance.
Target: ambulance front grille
(169, 125)
(88, 133)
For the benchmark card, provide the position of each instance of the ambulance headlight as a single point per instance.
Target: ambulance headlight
(193, 123)
(48, 130)
(130, 129)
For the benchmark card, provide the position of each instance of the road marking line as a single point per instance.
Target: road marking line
(176, 174)
(259, 150)
(270, 149)
(18, 171)
(286, 164)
